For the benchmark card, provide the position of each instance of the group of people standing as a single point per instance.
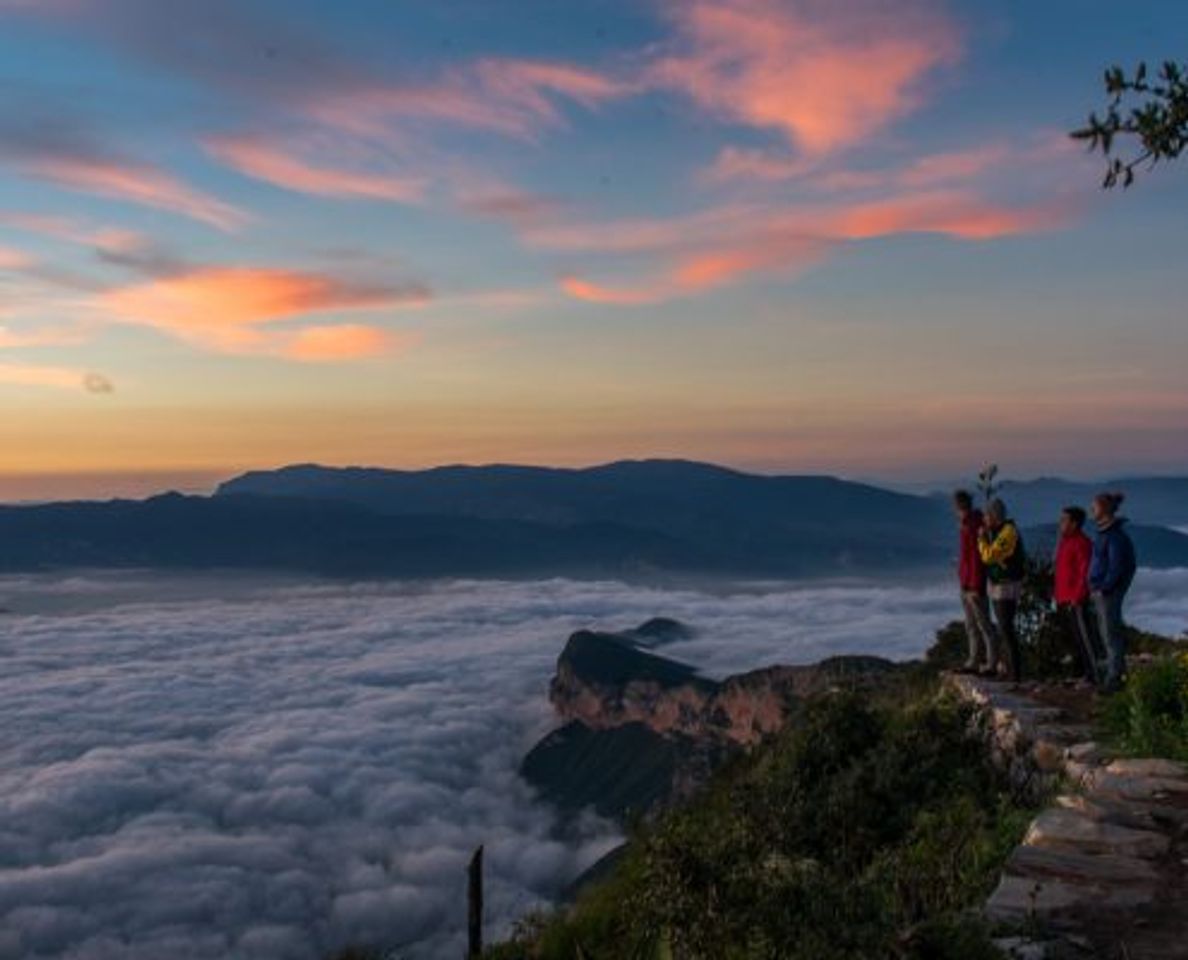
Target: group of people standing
(1091, 579)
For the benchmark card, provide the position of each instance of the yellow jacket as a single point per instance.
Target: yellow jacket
(1002, 553)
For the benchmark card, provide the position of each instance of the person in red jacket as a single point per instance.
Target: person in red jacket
(1074, 551)
(971, 575)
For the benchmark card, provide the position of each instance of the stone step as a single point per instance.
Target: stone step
(1133, 815)
(1060, 903)
(1063, 829)
(1076, 867)
(1089, 752)
(1147, 767)
(1137, 787)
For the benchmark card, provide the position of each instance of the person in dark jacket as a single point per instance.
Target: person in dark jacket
(1074, 551)
(1001, 549)
(1111, 572)
(971, 576)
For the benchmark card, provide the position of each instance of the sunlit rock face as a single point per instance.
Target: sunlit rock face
(609, 680)
(640, 731)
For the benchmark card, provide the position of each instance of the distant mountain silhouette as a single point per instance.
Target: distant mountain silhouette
(628, 519)
(735, 520)
(1158, 501)
(326, 537)
(1156, 546)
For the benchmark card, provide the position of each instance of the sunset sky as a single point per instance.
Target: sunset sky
(787, 235)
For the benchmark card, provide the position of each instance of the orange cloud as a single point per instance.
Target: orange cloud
(278, 166)
(42, 337)
(226, 309)
(346, 341)
(135, 183)
(952, 213)
(704, 270)
(581, 289)
(715, 248)
(826, 76)
(58, 378)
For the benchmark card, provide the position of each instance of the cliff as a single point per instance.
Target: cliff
(606, 680)
(639, 730)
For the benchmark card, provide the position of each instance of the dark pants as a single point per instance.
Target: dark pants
(1005, 612)
(1113, 634)
(1082, 631)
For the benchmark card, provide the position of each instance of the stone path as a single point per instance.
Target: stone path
(1102, 872)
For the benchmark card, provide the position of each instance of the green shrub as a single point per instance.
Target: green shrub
(865, 831)
(1150, 716)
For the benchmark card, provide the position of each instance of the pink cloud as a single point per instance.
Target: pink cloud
(277, 164)
(642, 234)
(231, 310)
(825, 75)
(512, 205)
(508, 96)
(13, 259)
(1042, 154)
(135, 183)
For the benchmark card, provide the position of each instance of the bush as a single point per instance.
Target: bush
(1150, 716)
(863, 832)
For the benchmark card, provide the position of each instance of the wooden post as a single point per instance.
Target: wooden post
(475, 903)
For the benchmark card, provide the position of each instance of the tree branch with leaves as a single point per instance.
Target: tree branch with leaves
(1152, 110)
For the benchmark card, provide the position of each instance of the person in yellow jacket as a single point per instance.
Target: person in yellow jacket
(1001, 549)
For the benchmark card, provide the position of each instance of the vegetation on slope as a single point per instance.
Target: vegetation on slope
(866, 830)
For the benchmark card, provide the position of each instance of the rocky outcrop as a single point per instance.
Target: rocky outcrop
(607, 680)
(640, 730)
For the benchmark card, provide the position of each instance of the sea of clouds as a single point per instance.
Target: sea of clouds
(197, 768)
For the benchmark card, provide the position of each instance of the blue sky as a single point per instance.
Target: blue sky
(783, 234)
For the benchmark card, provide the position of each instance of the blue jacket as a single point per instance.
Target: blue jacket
(1113, 565)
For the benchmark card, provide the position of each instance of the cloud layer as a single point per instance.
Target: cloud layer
(206, 769)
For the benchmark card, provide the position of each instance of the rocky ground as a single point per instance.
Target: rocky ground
(1103, 870)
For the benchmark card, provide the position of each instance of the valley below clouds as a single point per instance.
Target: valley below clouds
(193, 768)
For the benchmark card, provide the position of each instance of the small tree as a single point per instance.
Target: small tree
(1153, 111)
(988, 481)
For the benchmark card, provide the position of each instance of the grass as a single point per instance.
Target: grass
(1149, 717)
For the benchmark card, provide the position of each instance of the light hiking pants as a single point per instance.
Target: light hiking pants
(979, 631)
(1113, 633)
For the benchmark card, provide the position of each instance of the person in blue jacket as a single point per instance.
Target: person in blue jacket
(1111, 572)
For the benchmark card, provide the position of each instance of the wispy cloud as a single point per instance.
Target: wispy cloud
(135, 183)
(59, 150)
(512, 97)
(717, 247)
(277, 163)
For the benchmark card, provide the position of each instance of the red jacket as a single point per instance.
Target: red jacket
(1073, 554)
(970, 569)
